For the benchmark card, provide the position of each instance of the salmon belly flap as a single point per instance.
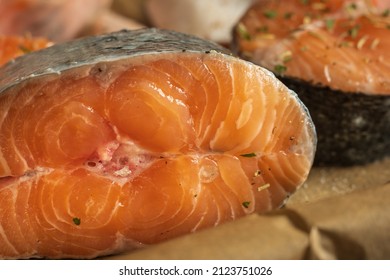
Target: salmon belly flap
(116, 155)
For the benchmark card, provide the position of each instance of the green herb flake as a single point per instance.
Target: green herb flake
(76, 221)
(288, 15)
(286, 56)
(25, 49)
(345, 44)
(352, 6)
(270, 14)
(249, 155)
(329, 23)
(386, 13)
(353, 32)
(243, 31)
(305, 2)
(262, 29)
(280, 69)
(246, 204)
(304, 48)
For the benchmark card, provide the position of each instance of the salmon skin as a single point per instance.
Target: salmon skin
(119, 141)
(334, 54)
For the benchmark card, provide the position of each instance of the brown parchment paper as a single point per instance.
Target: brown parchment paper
(340, 213)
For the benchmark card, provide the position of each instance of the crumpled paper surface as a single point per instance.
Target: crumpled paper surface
(340, 213)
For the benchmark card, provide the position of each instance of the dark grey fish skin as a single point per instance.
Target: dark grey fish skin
(352, 128)
(103, 48)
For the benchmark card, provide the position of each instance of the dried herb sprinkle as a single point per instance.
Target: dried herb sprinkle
(243, 31)
(76, 221)
(25, 49)
(280, 69)
(305, 2)
(249, 155)
(329, 23)
(288, 15)
(270, 14)
(246, 204)
(353, 32)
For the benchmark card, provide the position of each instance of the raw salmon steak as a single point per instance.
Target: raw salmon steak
(114, 142)
(335, 55)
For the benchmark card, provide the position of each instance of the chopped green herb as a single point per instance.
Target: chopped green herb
(329, 23)
(288, 15)
(246, 204)
(386, 13)
(243, 31)
(263, 29)
(249, 155)
(353, 32)
(24, 49)
(345, 44)
(270, 14)
(305, 2)
(280, 69)
(352, 6)
(286, 56)
(76, 221)
(304, 48)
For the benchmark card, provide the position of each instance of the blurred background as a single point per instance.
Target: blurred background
(63, 20)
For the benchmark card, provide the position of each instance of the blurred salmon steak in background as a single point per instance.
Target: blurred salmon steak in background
(114, 142)
(298, 39)
(335, 55)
